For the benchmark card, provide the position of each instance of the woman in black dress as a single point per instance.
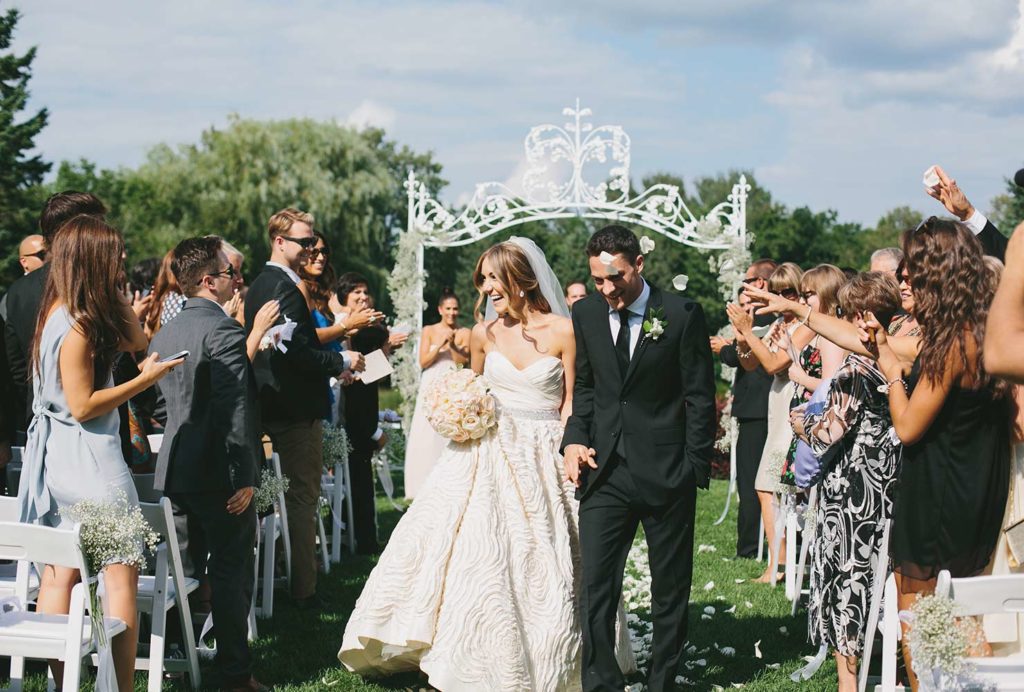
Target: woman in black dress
(362, 402)
(951, 416)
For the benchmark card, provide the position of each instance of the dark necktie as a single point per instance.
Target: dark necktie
(622, 341)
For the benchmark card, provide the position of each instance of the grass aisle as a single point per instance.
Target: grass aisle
(297, 650)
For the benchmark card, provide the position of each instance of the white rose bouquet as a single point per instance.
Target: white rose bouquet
(460, 407)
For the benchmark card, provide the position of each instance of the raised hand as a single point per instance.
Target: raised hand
(741, 320)
(266, 316)
(357, 360)
(771, 302)
(234, 305)
(951, 196)
(141, 305)
(363, 317)
(717, 344)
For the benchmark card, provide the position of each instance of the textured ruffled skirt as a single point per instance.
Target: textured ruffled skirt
(477, 586)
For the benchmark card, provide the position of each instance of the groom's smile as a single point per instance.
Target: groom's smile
(619, 281)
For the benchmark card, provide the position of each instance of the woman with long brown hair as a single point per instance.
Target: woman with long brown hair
(478, 585)
(168, 298)
(73, 451)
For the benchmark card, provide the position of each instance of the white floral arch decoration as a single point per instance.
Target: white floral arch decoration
(562, 162)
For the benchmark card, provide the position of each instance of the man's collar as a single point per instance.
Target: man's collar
(638, 306)
(202, 302)
(287, 270)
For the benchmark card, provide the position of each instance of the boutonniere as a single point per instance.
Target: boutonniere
(654, 327)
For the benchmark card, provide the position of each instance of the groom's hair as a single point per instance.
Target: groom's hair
(615, 240)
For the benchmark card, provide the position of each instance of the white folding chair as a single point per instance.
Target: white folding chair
(165, 589)
(974, 596)
(805, 546)
(879, 580)
(891, 635)
(23, 634)
(338, 491)
(155, 442)
(272, 527)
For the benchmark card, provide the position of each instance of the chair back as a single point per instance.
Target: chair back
(34, 543)
(999, 593)
(13, 472)
(9, 509)
(144, 487)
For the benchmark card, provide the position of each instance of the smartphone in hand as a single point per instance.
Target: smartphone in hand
(176, 356)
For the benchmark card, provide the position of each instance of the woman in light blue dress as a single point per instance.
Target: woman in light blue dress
(73, 451)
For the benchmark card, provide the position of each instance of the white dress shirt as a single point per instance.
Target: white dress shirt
(636, 318)
(976, 222)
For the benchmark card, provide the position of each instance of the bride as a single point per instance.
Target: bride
(478, 584)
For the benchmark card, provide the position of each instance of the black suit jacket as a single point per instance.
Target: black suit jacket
(750, 388)
(993, 242)
(362, 401)
(292, 385)
(23, 304)
(664, 405)
(212, 437)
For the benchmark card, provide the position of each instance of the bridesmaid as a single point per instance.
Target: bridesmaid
(442, 347)
(73, 451)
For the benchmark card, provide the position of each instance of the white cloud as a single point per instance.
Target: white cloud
(371, 114)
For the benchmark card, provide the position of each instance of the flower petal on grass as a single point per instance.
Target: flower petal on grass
(757, 649)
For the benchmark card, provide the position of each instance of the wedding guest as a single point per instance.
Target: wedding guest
(771, 354)
(1005, 326)
(318, 278)
(25, 294)
(855, 495)
(142, 275)
(956, 203)
(820, 358)
(293, 390)
(575, 291)
(904, 323)
(362, 403)
(32, 253)
(210, 460)
(886, 259)
(443, 346)
(235, 307)
(750, 409)
(73, 451)
(951, 415)
(167, 297)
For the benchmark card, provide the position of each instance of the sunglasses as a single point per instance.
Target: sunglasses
(40, 254)
(787, 293)
(304, 243)
(807, 295)
(751, 279)
(320, 251)
(228, 271)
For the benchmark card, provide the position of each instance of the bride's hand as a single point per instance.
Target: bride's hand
(574, 458)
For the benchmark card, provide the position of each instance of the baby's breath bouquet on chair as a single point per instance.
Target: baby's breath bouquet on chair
(460, 407)
(269, 488)
(336, 446)
(940, 641)
(111, 532)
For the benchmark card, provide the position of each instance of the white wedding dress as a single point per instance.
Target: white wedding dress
(478, 585)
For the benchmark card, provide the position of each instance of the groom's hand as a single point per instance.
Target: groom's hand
(574, 458)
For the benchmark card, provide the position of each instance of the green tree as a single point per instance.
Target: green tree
(20, 172)
(234, 179)
(1008, 208)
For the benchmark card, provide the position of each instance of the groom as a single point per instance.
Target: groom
(637, 445)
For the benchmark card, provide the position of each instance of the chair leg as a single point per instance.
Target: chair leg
(270, 540)
(337, 502)
(157, 640)
(791, 540)
(324, 552)
(17, 673)
(760, 540)
(890, 635)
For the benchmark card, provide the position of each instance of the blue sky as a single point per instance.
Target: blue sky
(832, 104)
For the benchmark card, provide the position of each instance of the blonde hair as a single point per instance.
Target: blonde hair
(825, 280)
(786, 276)
(282, 221)
(514, 273)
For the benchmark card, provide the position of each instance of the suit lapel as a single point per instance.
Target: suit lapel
(653, 302)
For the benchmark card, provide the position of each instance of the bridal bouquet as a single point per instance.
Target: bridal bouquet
(460, 407)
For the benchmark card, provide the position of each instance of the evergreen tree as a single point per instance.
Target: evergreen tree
(20, 173)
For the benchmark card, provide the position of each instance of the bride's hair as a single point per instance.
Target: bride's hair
(512, 267)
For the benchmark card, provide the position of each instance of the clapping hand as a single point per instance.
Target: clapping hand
(266, 316)
(574, 458)
(718, 343)
(741, 320)
(141, 305)
(234, 305)
(362, 317)
(357, 360)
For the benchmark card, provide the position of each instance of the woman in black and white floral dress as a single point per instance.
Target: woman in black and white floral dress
(855, 497)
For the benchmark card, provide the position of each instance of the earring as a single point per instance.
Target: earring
(522, 294)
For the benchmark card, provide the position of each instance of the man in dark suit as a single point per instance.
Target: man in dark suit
(750, 409)
(638, 445)
(293, 384)
(26, 293)
(211, 454)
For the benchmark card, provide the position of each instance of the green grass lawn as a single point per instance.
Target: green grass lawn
(296, 650)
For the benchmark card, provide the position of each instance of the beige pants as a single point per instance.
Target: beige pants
(300, 446)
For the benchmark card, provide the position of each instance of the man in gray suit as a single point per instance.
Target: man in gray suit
(211, 453)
